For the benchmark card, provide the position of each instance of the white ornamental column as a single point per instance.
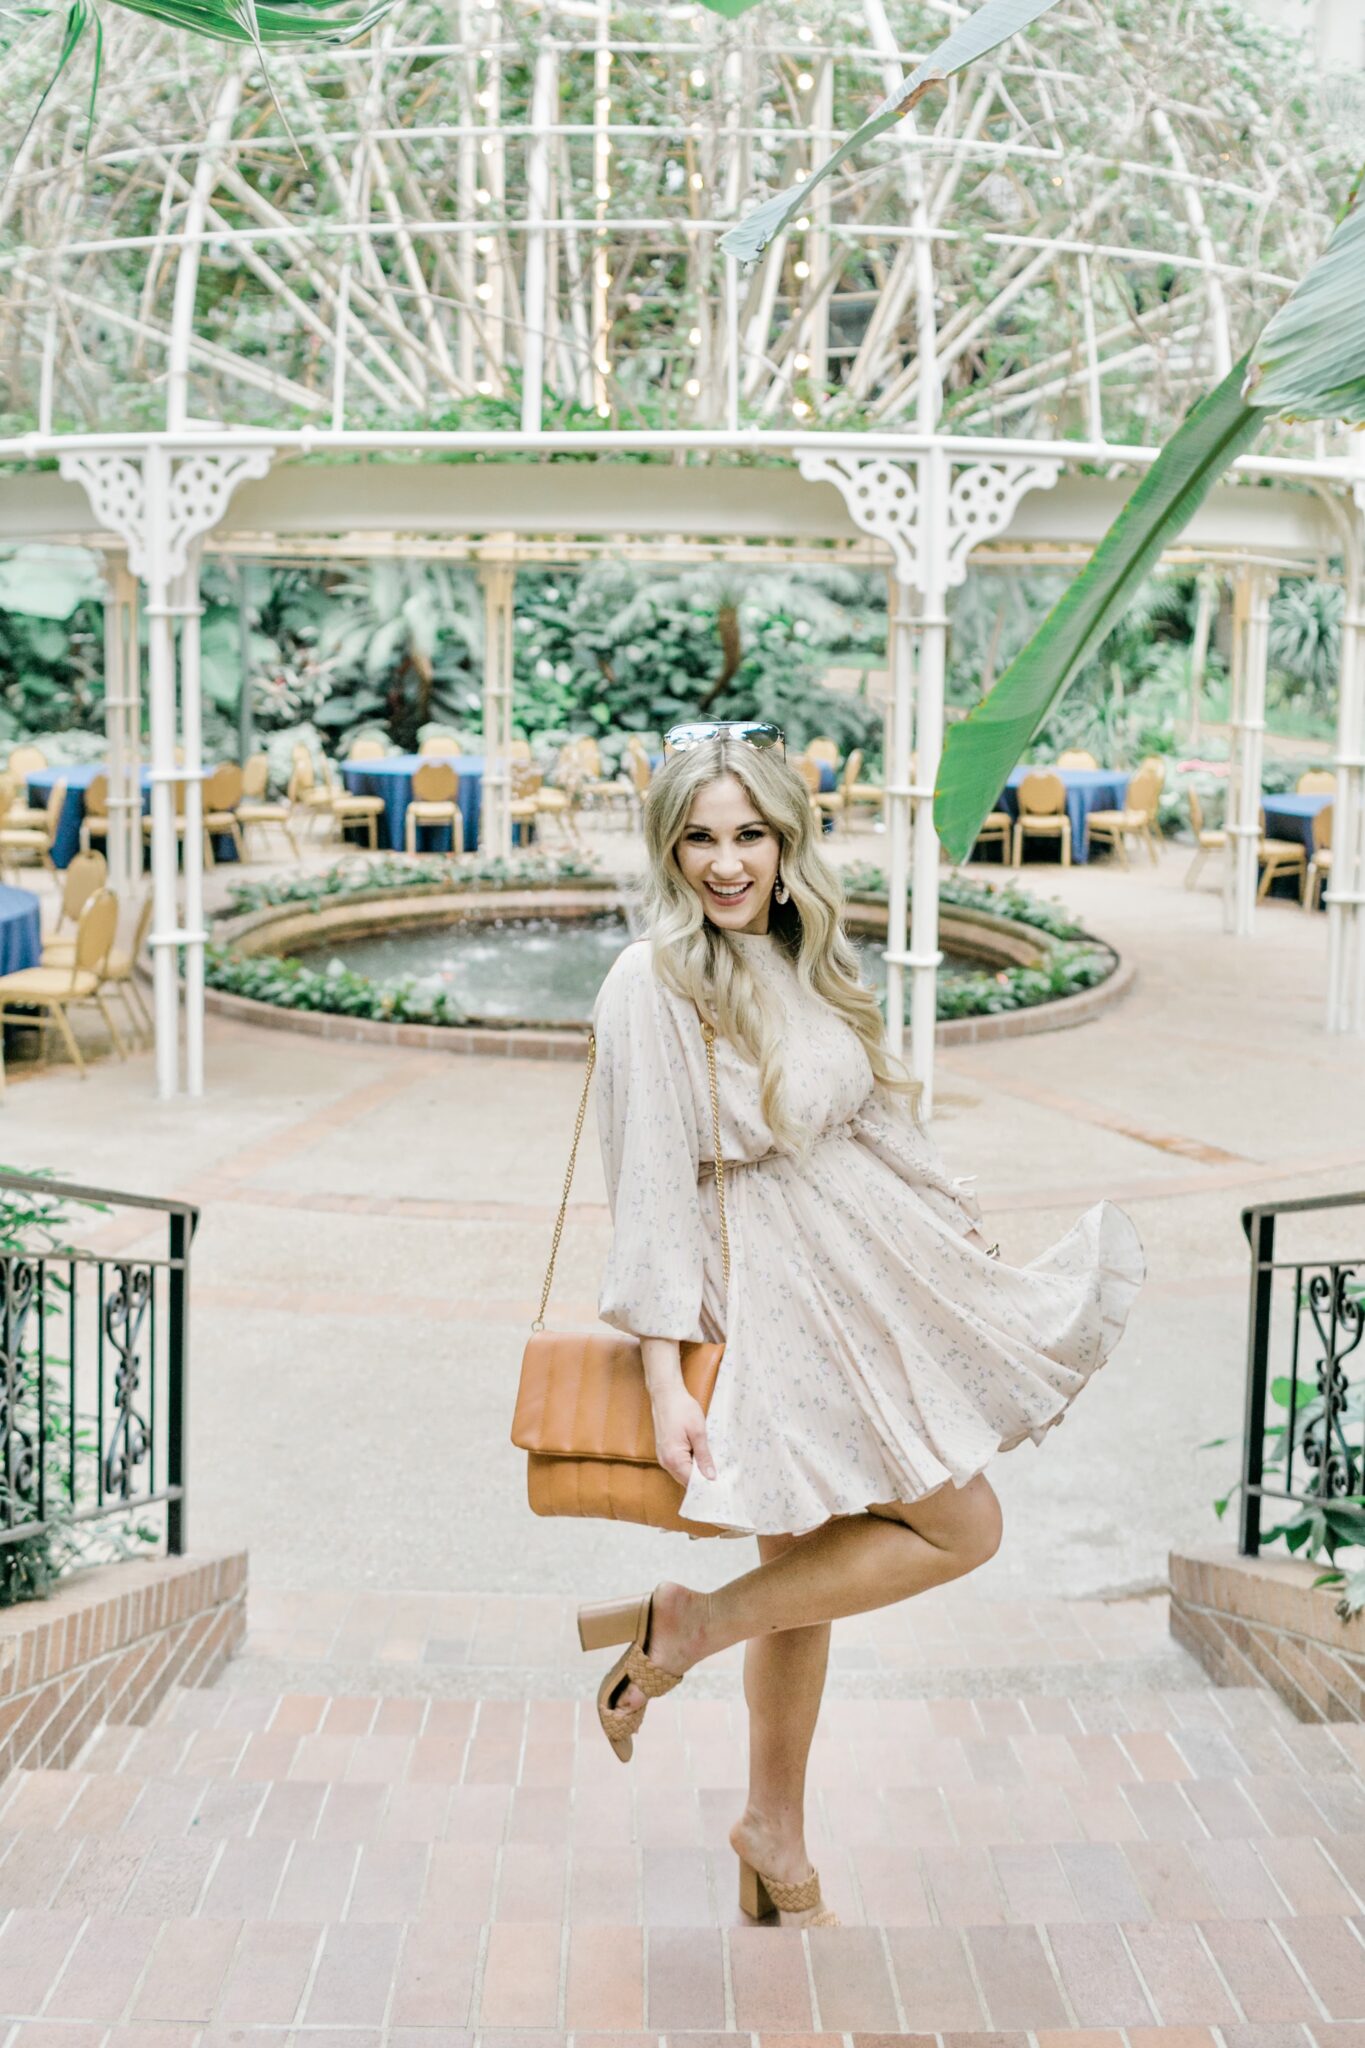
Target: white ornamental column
(495, 819)
(123, 725)
(930, 519)
(159, 499)
(1345, 894)
(1252, 591)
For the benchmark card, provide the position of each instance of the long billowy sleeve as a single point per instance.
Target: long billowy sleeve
(647, 1124)
(886, 1126)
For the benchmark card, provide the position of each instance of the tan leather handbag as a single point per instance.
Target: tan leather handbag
(583, 1413)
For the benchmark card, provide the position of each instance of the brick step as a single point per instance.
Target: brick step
(310, 1852)
(1003, 1748)
(617, 1980)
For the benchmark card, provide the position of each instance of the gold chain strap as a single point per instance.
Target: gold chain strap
(709, 1034)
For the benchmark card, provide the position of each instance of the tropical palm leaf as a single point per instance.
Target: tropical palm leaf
(276, 24)
(1309, 362)
(981, 750)
(982, 32)
(1309, 359)
(731, 9)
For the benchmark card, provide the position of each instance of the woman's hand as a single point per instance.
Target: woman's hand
(680, 1433)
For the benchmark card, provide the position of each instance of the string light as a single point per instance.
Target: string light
(800, 408)
(693, 387)
(487, 145)
(805, 34)
(801, 177)
(696, 181)
(803, 223)
(802, 269)
(604, 190)
(482, 196)
(484, 98)
(801, 362)
(697, 77)
(693, 336)
(484, 388)
(604, 411)
(483, 292)
(804, 81)
(485, 244)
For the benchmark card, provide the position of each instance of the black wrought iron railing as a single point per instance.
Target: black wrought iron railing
(94, 1349)
(1304, 1350)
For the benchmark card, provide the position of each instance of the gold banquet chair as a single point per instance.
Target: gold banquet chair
(85, 873)
(1077, 757)
(39, 839)
(435, 788)
(368, 748)
(839, 801)
(95, 811)
(1042, 813)
(1134, 821)
(347, 809)
(53, 991)
(23, 762)
(1316, 782)
(256, 813)
(1207, 838)
(1280, 857)
(1320, 866)
(121, 970)
(223, 791)
(307, 794)
(440, 746)
(525, 787)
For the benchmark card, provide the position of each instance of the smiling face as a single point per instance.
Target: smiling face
(726, 846)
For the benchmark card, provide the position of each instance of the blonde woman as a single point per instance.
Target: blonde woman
(877, 1353)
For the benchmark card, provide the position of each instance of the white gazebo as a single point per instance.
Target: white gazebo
(459, 293)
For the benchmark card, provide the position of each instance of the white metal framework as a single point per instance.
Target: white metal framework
(489, 235)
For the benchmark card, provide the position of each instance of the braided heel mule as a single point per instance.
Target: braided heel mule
(760, 1894)
(624, 1621)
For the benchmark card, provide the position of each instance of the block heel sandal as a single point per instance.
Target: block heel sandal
(624, 1621)
(760, 1895)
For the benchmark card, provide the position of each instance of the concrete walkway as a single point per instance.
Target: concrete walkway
(376, 1225)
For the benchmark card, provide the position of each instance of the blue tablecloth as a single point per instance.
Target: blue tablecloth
(391, 778)
(21, 930)
(78, 777)
(1291, 817)
(1087, 790)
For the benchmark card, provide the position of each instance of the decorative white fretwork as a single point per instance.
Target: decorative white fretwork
(882, 497)
(116, 488)
(983, 501)
(201, 486)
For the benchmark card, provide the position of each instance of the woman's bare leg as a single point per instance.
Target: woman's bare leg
(848, 1565)
(784, 1679)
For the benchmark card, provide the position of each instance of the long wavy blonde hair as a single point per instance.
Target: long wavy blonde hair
(700, 960)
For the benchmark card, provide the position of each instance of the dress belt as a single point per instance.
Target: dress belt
(707, 1168)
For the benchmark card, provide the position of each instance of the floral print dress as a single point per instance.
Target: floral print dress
(873, 1349)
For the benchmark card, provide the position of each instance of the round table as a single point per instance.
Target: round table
(78, 776)
(1087, 790)
(391, 778)
(21, 930)
(1289, 816)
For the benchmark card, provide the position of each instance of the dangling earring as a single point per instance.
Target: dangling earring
(780, 891)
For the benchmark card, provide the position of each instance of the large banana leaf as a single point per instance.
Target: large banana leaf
(1309, 361)
(266, 23)
(731, 9)
(981, 750)
(982, 32)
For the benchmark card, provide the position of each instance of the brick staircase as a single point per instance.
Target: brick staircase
(323, 1867)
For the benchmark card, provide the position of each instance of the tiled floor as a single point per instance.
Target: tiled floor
(1175, 1870)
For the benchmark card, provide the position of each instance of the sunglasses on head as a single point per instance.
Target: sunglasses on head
(755, 732)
